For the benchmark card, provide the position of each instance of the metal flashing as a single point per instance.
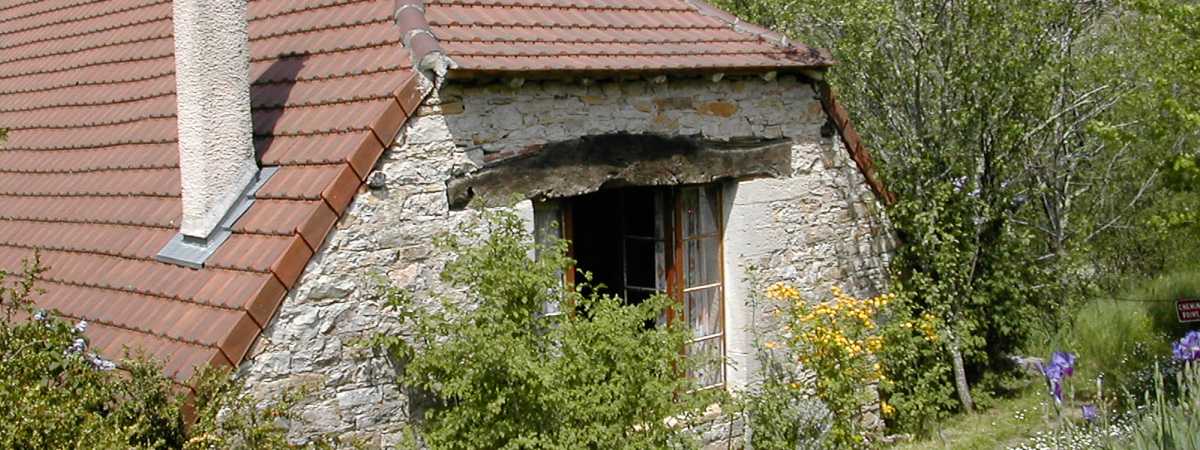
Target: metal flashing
(191, 252)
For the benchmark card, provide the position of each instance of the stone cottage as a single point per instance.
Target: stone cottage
(214, 181)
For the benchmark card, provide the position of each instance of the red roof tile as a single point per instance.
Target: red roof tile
(89, 174)
(606, 36)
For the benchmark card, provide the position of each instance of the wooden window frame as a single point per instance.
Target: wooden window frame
(675, 266)
(680, 282)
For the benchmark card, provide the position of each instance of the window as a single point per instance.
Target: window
(641, 241)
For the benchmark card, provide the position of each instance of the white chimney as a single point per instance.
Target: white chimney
(212, 78)
(217, 168)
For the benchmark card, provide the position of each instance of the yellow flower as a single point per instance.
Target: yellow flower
(875, 343)
(772, 345)
(887, 409)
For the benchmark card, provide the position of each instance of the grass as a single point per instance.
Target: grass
(1008, 422)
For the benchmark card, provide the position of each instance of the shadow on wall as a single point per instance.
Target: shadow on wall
(268, 95)
(865, 252)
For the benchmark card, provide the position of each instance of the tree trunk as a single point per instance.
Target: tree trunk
(960, 376)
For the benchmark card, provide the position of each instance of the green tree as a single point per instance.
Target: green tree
(603, 374)
(1159, 115)
(1017, 135)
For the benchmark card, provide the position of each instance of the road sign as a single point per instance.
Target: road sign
(1188, 310)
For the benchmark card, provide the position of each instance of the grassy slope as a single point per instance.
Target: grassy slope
(1008, 422)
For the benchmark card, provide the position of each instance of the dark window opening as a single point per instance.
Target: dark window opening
(643, 240)
(616, 239)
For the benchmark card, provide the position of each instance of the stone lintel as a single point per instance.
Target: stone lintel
(586, 164)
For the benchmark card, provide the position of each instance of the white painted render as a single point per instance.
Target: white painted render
(212, 77)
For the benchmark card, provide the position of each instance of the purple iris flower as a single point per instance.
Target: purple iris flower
(1089, 413)
(80, 327)
(1053, 372)
(1188, 348)
(1064, 360)
(39, 315)
(1062, 365)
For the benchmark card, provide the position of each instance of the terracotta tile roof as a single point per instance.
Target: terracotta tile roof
(610, 35)
(89, 175)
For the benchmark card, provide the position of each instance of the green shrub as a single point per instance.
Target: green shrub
(58, 394)
(780, 416)
(918, 381)
(55, 397)
(503, 375)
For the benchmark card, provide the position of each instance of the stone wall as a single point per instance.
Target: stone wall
(816, 227)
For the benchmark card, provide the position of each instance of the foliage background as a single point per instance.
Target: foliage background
(1038, 157)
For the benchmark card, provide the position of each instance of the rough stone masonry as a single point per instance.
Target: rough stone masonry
(815, 224)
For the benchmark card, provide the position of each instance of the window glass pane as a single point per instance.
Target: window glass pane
(708, 355)
(700, 211)
(640, 262)
(703, 263)
(709, 209)
(547, 222)
(551, 309)
(660, 266)
(547, 227)
(704, 311)
(691, 211)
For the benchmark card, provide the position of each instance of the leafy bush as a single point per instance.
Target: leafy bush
(603, 374)
(918, 381)
(978, 291)
(818, 373)
(837, 340)
(55, 396)
(58, 394)
(781, 415)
